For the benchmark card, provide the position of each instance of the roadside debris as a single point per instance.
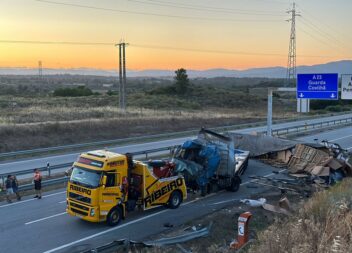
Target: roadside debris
(254, 203)
(126, 245)
(330, 162)
(301, 186)
(168, 225)
(322, 164)
(283, 207)
(202, 232)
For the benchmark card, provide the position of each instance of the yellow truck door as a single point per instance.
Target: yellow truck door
(157, 191)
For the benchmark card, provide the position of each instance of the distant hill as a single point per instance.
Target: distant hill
(341, 67)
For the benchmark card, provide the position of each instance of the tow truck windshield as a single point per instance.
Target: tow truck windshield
(85, 177)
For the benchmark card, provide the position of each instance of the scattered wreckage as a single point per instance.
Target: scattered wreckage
(211, 162)
(208, 163)
(319, 164)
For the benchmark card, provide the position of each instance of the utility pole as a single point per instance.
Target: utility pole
(40, 70)
(291, 64)
(302, 104)
(122, 75)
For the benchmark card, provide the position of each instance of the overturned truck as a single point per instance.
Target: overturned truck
(211, 162)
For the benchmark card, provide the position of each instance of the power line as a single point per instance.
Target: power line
(153, 14)
(320, 21)
(156, 47)
(318, 30)
(218, 51)
(206, 8)
(316, 38)
(73, 43)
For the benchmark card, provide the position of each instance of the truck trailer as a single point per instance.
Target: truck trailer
(211, 162)
(104, 186)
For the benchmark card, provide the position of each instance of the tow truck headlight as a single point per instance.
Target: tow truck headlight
(92, 212)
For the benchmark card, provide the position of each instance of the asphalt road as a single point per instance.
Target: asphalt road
(8, 167)
(33, 225)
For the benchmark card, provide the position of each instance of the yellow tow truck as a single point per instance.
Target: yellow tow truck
(104, 186)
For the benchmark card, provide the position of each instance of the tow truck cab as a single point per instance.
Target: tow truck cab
(104, 185)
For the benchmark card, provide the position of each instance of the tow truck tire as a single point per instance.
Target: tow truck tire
(175, 200)
(235, 184)
(114, 216)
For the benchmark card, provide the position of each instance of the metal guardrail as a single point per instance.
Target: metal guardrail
(124, 140)
(26, 187)
(312, 126)
(143, 138)
(49, 168)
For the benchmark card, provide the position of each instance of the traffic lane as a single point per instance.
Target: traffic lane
(18, 213)
(66, 158)
(56, 199)
(144, 228)
(342, 136)
(63, 229)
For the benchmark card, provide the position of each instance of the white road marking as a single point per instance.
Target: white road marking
(345, 137)
(106, 231)
(349, 148)
(132, 222)
(28, 200)
(119, 227)
(64, 201)
(46, 218)
(225, 201)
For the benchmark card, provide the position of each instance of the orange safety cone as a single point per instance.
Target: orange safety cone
(243, 231)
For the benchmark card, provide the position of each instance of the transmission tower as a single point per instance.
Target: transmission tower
(122, 75)
(291, 65)
(40, 69)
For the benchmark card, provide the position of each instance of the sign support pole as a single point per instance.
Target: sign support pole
(270, 112)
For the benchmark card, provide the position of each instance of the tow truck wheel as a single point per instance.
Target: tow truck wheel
(175, 200)
(235, 184)
(114, 216)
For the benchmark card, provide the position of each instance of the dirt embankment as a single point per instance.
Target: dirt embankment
(321, 224)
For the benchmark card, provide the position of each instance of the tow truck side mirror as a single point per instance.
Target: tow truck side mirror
(104, 180)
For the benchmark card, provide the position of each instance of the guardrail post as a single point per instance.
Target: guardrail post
(146, 155)
(48, 169)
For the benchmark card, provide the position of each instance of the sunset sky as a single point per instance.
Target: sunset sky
(233, 34)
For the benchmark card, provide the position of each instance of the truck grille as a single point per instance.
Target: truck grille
(79, 206)
(79, 197)
(79, 211)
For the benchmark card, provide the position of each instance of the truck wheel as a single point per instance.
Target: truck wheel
(203, 190)
(175, 200)
(235, 184)
(114, 216)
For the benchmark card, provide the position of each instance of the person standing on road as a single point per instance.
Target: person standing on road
(15, 187)
(37, 184)
(9, 189)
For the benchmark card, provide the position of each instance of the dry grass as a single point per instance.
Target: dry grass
(34, 122)
(29, 136)
(323, 224)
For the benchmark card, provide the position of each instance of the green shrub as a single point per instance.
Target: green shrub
(79, 91)
(334, 108)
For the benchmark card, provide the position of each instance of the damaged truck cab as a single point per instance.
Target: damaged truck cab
(104, 186)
